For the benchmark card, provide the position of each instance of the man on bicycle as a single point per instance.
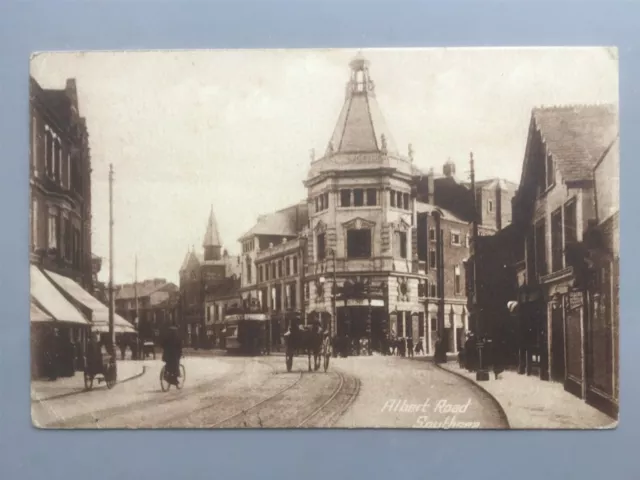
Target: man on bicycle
(171, 353)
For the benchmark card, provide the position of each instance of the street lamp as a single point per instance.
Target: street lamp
(334, 289)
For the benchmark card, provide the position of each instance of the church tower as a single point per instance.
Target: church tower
(211, 243)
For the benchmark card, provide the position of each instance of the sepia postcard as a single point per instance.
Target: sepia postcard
(344, 238)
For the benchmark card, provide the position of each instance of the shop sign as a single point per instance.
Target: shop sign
(575, 300)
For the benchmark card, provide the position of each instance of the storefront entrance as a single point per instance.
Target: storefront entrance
(557, 343)
(354, 321)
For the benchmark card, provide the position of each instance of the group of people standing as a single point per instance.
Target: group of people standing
(55, 354)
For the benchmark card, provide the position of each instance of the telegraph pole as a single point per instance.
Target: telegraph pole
(482, 374)
(135, 289)
(111, 299)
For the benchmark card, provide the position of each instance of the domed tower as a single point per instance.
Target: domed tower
(362, 213)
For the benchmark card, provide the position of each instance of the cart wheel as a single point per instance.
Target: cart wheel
(326, 362)
(111, 377)
(164, 385)
(88, 381)
(289, 361)
(183, 376)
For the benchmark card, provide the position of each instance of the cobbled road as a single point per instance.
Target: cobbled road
(240, 392)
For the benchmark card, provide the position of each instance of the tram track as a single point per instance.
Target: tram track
(325, 414)
(176, 420)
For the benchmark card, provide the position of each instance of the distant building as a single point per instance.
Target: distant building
(201, 276)
(145, 305)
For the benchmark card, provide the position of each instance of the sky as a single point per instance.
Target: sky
(233, 129)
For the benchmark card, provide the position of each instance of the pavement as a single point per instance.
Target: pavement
(531, 403)
(49, 389)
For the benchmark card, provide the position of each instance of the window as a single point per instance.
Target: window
(405, 201)
(266, 272)
(68, 238)
(345, 198)
(295, 265)
(433, 290)
(490, 206)
(392, 197)
(455, 237)
(288, 266)
(58, 160)
(48, 151)
(317, 199)
(570, 222)
(279, 268)
(34, 224)
(320, 247)
(401, 244)
(53, 230)
(556, 240)
(432, 258)
(468, 241)
(359, 243)
(421, 324)
(68, 176)
(399, 199)
(371, 197)
(248, 262)
(550, 171)
(273, 271)
(260, 273)
(434, 324)
(358, 197)
(432, 234)
(456, 283)
(34, 145)
(540, 252)
(422, 290)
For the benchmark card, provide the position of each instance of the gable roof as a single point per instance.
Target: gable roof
(576, 136)
(428, 208)
(287, 222)
(146, 288)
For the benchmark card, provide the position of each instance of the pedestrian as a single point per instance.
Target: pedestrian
(419, 349)
(410, 346)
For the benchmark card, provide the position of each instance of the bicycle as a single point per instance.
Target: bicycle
(166, 379)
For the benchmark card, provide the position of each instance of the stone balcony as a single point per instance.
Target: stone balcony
(287, 247)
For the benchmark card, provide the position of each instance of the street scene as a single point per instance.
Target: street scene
(237, 239)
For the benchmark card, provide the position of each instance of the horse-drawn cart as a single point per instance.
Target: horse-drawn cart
(311, 340)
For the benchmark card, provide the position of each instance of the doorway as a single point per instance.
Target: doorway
(557, 343)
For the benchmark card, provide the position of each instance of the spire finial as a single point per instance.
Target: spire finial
(411, 153)
(383, 143)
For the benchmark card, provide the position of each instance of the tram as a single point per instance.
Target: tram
(245, 333)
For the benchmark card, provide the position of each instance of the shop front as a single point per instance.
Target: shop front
(58, 330)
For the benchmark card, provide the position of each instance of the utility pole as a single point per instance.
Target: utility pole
(135, 289)
(482, 374)
(111, 299)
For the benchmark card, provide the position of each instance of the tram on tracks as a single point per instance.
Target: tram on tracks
(246, 333)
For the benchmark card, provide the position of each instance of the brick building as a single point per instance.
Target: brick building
(564, 222)
(201, 276)
(146, 305)
(63, 270)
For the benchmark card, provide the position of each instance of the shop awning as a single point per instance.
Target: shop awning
(99, 312)
(38, 316)
(49, 299)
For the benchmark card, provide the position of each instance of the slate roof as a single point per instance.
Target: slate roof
(286, 222)
(212, 237)
(422, 207)
(128, 291)
(577, 136)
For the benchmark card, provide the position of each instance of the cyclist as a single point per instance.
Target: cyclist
(171, 354)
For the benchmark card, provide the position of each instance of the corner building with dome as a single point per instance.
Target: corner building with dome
(381, 244)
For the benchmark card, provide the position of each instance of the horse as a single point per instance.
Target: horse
(306, 339)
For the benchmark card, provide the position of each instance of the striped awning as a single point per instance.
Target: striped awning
(51, 302)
